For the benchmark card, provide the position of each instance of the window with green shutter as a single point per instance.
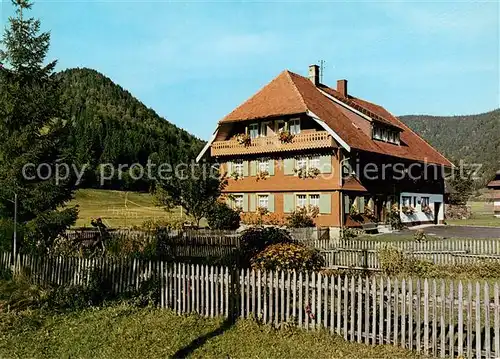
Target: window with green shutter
(229, 166)
(289, 166)
(253, 204)
(288, 203)
(347, 204)
(253, 168)
(325, 163)
(270, 205)
(245, 168)
(325, 203)
(245, 202)
(271, 168)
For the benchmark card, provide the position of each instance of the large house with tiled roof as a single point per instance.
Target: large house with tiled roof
(299, 143)
(495, 196)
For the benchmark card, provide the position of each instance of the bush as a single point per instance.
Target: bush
(256, 219)
(223, 217)
(288, 256)
(419, 235)
(394, 219)
(161, 224)
(255, 240)
(301, 218)
(348, 233)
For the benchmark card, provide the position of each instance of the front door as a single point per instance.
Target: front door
(380, 209)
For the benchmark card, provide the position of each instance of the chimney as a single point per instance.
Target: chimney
(342, 87)
(314, 74)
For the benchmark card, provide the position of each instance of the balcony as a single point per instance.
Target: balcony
(270, 144)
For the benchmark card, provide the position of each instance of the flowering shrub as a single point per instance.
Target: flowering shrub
(419, 235)
(262, 175)
(235, 175)
(393, 218)
(223, 217)
(288, 256)
(275, 219)
(307, 173)
(243, 139)
(285, 137)
(254, 240)
(303, 217)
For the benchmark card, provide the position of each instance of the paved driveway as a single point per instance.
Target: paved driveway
(463, 231)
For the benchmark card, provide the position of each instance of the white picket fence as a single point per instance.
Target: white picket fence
(432, 317)
(369, 258)
(475, 246)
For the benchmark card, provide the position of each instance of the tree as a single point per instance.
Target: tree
(462, 186)
(33, 132)
(196, 189)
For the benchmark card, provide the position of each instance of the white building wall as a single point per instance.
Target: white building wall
(496, 205)
(420, 216)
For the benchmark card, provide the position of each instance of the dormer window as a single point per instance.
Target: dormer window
(385, 134)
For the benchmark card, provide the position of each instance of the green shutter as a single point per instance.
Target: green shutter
(361, 204)
(271, 167)
(245, 202)
(289, 164)
(270, 206)
(253, 204)
(229, 168)
(325, 163)
(253, 168)
(245, 168)
(325, 203)
(347, 204)
(288, 203)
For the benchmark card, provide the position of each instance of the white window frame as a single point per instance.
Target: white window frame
(263, 166)
(302, 162)
(294, 126)
(238, 201)
(316, 197)
(314, 162)
(406, 201)
(299, 198)
(263, 201)
(264, 128)
(425, 201)
(251, 128)
(237, 167)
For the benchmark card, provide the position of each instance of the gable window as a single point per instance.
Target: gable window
(263, 201)
(385, 134)
(294, 126)
(377, 133)
(238, 201)
(301, 200)
(253, 130)
(238, 167)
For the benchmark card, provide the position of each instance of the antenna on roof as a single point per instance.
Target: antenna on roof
(321, 69)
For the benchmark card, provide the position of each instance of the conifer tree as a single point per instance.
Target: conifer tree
(32, 131)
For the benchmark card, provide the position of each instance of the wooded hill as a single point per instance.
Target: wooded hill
(109, 125)
(474, 138)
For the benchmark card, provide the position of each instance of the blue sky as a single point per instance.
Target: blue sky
(193, 62)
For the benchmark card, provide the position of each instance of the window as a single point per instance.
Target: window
(406, 201)
(238, 167)
(314, 200)
(302, 162)
(294, 126)
(314, 162)
(376, 133)
(263, 128)
(280, 126)
(263, 201)
(238, 201)
(424, 201)
(263, 166)
(384, 134)
(253, 130)
(301, 200)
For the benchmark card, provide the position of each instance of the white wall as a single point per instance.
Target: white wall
(420, 216)
(496, 204)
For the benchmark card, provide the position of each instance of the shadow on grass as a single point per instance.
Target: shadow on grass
(234, 308)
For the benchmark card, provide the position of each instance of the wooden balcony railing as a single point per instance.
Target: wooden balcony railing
(269, 144)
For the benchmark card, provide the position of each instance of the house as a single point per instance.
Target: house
(495, 196)
(300, 143)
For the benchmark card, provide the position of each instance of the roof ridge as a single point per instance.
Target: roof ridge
(296, 89)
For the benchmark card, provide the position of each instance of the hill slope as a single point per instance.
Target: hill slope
(473, 139)
(109, 125)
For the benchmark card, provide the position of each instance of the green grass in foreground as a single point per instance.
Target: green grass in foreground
(127, 332)
(483, 220)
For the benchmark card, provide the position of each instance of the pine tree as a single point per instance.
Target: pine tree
(32, 130)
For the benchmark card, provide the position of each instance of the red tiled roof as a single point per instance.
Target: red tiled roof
(352, 184)
(495, 183)
(290, 93)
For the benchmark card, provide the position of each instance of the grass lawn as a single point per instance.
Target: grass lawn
(118, 209)
(127, 332)
(482, 215)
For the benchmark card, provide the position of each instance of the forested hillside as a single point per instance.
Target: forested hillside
(109, 125)
(474, 138)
